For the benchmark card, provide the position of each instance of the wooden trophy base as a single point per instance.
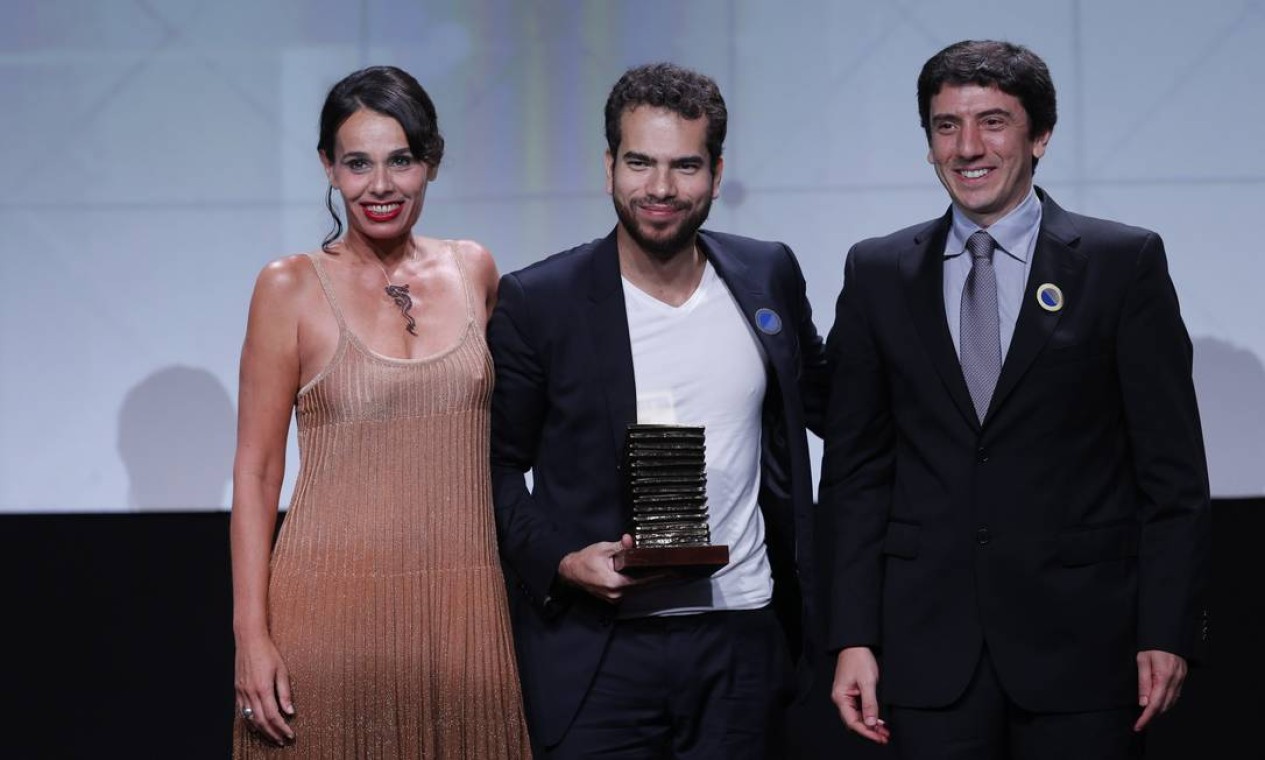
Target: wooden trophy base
(700, 561)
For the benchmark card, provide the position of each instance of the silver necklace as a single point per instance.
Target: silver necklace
(399, 294)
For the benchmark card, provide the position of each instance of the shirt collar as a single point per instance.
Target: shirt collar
(1010, 232)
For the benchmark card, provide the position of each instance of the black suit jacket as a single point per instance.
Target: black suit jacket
(1069, 531)
(564, 396)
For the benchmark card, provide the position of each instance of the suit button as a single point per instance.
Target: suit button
(983, 536)
(981, 455)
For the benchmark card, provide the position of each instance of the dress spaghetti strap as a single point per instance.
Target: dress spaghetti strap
(319, 266)
(465, 278)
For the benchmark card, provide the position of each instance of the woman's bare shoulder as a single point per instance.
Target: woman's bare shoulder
(286, 286)
(290, 274)
(481, 270)
(477, 259)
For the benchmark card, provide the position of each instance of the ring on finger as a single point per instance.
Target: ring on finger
(247, 712)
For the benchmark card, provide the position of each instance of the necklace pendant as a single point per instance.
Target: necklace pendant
(399, 294)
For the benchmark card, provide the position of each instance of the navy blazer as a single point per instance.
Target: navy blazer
(1066, 533)
(563, 399)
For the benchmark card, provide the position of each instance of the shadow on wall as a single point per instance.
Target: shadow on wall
(1230, 383)
(176, 439)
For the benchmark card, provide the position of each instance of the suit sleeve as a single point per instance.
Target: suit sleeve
(857, 467)
(814, 379)
(1154, 357)
(531, 542)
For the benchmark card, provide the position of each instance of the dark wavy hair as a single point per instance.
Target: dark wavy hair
(1013, 69)
(680, 90)
(391, 92)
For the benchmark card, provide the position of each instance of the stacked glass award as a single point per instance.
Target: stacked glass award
(665, 479)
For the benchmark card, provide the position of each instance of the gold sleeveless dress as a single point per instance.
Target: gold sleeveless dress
(386, 597)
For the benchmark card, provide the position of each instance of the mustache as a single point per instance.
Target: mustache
(675, 205)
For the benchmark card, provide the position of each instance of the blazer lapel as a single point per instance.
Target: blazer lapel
(922, 271)
(752, 296)
(612, 347)
(1056, 260)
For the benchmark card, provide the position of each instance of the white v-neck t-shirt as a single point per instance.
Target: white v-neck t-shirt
(700, 364)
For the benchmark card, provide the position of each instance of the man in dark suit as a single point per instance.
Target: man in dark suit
(658, 322)
(1013, 454)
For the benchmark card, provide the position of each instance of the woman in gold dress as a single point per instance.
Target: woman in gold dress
(377, 626)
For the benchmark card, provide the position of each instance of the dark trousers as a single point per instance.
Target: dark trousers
(985, 725)
(712, 685)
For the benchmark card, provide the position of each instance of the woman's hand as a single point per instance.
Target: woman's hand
(263, 688)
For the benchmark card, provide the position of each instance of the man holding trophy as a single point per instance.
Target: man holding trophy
(657, 384)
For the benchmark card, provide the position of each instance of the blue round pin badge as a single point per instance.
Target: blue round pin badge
(1050, 297)
(768, 321)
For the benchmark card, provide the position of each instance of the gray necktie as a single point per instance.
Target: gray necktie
(980, 333)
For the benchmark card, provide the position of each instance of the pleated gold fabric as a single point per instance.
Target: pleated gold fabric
(386, 598)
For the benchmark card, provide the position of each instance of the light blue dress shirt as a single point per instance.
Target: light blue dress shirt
(1016, 236)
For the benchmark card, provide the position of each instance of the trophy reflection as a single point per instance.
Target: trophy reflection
(665, 479)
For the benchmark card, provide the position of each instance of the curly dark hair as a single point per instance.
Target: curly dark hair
(1013, 69)
(389, 91)
(665, 85)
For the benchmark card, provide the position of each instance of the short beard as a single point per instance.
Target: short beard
(664, 249)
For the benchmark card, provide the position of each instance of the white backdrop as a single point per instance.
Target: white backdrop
(157, 153)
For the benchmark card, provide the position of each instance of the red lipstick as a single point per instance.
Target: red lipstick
(394, 210)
